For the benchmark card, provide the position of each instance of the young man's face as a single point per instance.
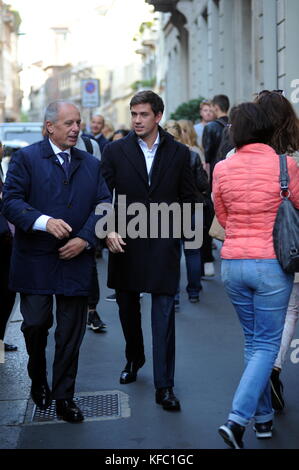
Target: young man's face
(144, 121)
(207, 113)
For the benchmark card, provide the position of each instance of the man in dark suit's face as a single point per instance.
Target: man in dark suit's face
(145, 121)
(64, 130)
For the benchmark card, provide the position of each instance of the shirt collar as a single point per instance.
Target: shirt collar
(156, 143)
(57, 150)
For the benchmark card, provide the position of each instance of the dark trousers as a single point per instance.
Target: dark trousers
(7, 297)
(94, 297)
(71, 313)
(163, 333)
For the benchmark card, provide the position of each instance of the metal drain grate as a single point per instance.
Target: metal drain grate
(95, 406)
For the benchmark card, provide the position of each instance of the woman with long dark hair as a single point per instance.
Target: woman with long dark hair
(284, 139)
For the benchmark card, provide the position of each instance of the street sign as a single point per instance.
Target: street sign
(90, 93)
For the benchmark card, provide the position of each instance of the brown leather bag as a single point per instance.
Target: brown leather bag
(216, 230)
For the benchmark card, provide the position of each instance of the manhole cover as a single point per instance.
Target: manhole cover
(95, 406)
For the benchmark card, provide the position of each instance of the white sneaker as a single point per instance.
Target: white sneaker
(209, 269)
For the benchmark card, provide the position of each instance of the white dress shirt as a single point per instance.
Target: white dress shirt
(41, 222)
(149, 154)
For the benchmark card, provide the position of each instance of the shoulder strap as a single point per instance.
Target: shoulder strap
(223, 123)
(284, 175)
(88, 144)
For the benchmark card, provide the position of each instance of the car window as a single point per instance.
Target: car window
(27, 136)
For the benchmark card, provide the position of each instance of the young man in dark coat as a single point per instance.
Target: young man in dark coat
(148, 166)
(50, 195)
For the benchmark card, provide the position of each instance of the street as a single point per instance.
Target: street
(208, 368)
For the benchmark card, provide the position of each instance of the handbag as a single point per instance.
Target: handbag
(216, 230)
(286, 226)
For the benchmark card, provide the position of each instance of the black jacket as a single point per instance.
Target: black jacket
(149, 264)
(211, 139)
(200, 175)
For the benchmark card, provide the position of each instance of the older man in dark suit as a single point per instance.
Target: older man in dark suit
(50, 195)
(148, 166)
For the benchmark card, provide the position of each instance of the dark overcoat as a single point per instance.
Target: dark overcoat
(35, 185)
(148, 264)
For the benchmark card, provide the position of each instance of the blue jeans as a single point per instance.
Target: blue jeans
(259, 290)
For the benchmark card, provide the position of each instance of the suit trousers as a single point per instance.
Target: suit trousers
(7, 297)
(163, 333)
(94, 296)
(71, 313)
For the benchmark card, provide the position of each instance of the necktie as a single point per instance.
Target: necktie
(66, 162)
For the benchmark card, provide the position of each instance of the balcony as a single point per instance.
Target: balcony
(165, 6)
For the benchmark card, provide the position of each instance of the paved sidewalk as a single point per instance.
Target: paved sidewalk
(208, 368)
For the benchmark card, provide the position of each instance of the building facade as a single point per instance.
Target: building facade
(235, 47)
(10, 93)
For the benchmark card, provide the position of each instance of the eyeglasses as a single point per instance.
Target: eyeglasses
(268, 92)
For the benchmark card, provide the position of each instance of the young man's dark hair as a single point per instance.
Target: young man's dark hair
(250, 124)
(148, 96)
(222, 101)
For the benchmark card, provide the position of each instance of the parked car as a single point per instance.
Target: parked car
(28, 132)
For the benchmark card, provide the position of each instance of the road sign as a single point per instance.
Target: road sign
(90, 93)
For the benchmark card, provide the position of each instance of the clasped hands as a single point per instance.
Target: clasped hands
(60, 229)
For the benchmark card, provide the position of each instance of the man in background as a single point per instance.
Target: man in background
(212, 133)
(97, 125)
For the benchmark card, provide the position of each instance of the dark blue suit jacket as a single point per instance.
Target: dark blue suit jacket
(36, 184)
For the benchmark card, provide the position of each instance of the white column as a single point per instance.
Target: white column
(270, 44)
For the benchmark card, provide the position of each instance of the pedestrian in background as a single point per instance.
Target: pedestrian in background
(94, 321)
(206, 115)
(50, 194)
(211, 139)
(278, 110)
(189, 137)
(108, 130)
(148, 166)
(192, 255)
(7, 296)
(212, 132)
(119, 134)
(96, 126)
(246, 194)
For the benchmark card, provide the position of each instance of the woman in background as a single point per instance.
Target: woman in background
(192, 256)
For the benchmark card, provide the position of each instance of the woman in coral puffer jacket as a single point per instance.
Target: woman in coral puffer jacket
(246, 195)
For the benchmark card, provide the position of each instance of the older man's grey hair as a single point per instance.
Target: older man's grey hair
(52, 110)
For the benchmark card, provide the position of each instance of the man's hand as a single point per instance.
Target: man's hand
(115, 242)
(59, 228)
(72, 248)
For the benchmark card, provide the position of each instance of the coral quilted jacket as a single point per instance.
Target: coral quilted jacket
(246, 195)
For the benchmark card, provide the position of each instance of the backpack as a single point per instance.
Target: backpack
(88, 144)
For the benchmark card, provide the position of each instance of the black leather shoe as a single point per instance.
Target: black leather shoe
(41, 395)
(166, 398)
(232, 434)
(68, 411)
(129, 374)
(10, 347)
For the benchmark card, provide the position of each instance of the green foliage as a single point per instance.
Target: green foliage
(145, 25)
(188, 110)
(143, 84)
(24, 117)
